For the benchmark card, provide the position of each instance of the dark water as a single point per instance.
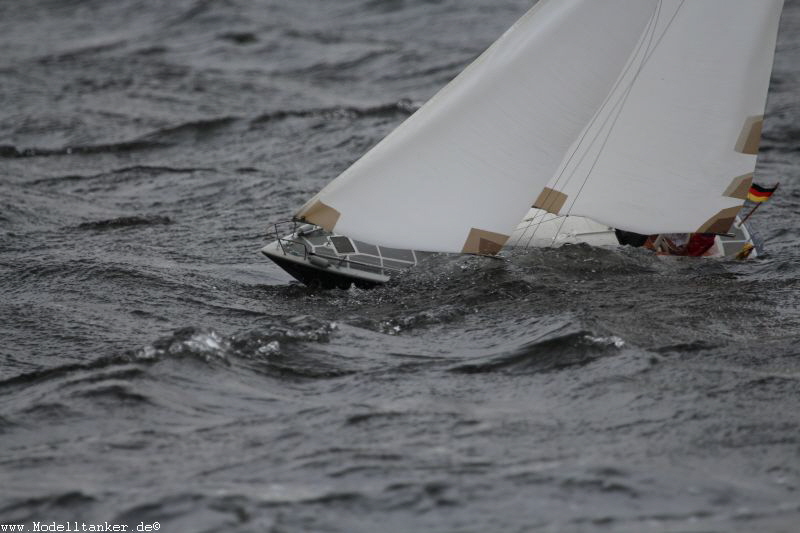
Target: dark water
(153, 367)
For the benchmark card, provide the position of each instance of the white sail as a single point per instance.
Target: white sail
(674, 148)
(461, 172)
(641, 114)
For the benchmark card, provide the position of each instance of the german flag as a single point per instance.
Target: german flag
(760, 194)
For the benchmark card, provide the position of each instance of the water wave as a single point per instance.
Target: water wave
(551, 353)
(126, 222)
(171, 135)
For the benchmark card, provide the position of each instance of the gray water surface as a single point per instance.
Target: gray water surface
(155, 368)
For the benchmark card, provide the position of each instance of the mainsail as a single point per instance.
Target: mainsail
(643, 115)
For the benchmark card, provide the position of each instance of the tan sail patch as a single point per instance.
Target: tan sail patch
(550, 200)
(484, 242)
(721, 222)
(320, 214)
(739, 187)
(750, 137)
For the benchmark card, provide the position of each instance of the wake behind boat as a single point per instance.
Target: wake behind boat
(606, 117)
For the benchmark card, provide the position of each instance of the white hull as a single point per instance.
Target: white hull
(317, 257)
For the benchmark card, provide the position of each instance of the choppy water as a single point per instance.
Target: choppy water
(153, 367)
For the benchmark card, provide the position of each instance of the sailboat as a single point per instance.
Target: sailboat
(585, 118)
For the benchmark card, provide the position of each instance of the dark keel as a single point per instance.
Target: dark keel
(316, 277)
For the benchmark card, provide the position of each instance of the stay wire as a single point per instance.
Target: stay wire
(619, 113)
(647, 36)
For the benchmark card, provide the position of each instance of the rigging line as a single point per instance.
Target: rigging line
(615, 112)
(531, 221)
(537, 224)
(619, 113)
(537, 220)
(541, 216)
(647, 36)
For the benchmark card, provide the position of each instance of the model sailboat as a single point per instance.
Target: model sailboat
(640, 115)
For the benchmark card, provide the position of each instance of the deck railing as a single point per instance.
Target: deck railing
(291, 227)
